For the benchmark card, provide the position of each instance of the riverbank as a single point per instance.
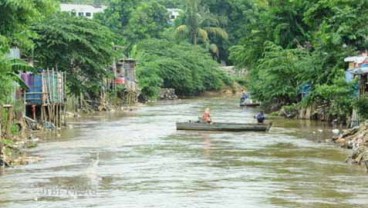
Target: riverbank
(14, 150)
(355, 139)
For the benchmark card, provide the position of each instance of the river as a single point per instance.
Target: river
(138, 159)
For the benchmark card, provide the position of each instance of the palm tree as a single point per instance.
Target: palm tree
(199, 23)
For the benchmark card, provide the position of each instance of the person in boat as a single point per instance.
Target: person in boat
(206, 117)
(260, 117)
(244, 96)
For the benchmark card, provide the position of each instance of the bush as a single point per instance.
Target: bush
(188, 69)
(361, 104)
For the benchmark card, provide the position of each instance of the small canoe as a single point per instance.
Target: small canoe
(201, 126)
(250, 104)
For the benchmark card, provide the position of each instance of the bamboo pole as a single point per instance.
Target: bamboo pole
(53, 86)
(45, 92)
(1, 136)
(49, 97)
(53, 96)
(1, 118)
(56, 115)
(63, 100)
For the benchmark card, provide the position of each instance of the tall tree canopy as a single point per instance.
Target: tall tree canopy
(148, 20)
(82, 48)
(117, 14)
(135, 20)
(325, 32)
(15, 18)
(186, 68)
(199, 23)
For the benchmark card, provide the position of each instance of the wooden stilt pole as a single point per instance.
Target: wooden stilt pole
(1, 132)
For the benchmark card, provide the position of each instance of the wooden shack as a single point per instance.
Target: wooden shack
(44, 99)
(125, 76)
(357, 69)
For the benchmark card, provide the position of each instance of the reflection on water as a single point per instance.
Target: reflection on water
(140, 160)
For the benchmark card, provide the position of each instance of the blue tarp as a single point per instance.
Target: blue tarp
(34, 93)
(349, 76)
(305, 89)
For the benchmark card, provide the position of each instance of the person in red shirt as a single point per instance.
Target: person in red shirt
(206, 117)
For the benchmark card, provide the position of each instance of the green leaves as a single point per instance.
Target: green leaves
(9, 78)
(199, 23)
(148, 20)
(17, 15)
(361, 105)
(186, 68)
(338, 22)
(298, 42)
(82, 48)
(275, 75)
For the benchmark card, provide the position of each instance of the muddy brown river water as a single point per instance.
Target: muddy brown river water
(138, 159)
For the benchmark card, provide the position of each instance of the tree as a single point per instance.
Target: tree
(199, 23)
(148, 20)
(116, 16)
(338, 24)
(17, 16)
(82, 48)
(277, 76)
(171, 3)
(235, 17)
(186, 68)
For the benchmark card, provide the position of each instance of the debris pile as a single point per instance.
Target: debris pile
(357, 140)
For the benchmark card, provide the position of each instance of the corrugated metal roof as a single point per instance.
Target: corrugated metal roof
(355, 59)
(81, 8)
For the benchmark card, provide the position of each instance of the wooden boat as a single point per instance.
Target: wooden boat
(248, 103)
(201, 126)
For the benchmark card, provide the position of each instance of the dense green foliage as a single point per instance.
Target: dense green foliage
(16, 17)
(82, 48)
(293, 43)
(147, 21)
(135, 20)
(197, 25)
(188, 69)
(361, 105)
(6, 80)
(277, 77)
